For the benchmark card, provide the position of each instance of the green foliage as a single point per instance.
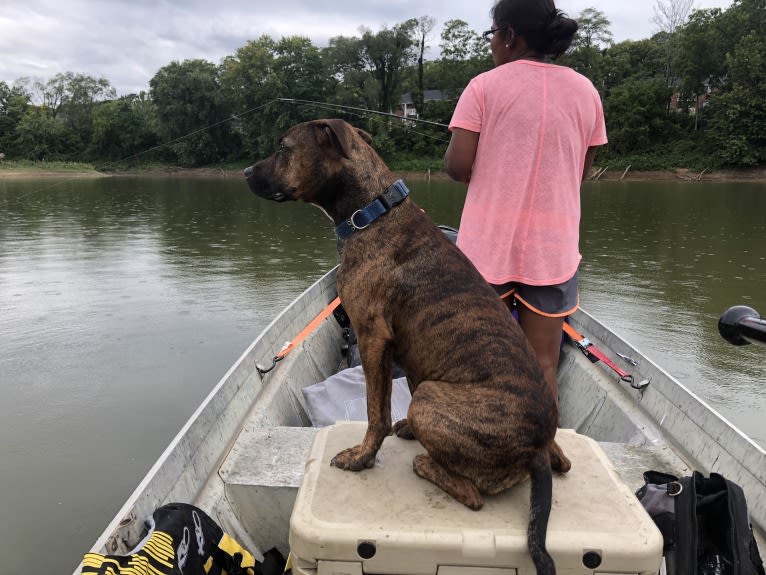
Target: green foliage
(737, 115)
(704, 52)
(631, 61)
(298, 67)
(588, 47)
(257, 75)
(60, 126)
(465, 54)
(191, 112)
(439, 111)
(693, 95)
(14, 102)
(69, 99)
(42, 137)
(672, 155)
(385, 55)
(124, 129)
(417, 163)
(638, 115)
(82, 93)
(593, 31)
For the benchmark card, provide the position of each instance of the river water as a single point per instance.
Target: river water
(124, 300)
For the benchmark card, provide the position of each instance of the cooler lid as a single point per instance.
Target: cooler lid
(392, 521)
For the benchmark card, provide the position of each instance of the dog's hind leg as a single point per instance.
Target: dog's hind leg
(461, 488)
(402, 430)
(559, 461)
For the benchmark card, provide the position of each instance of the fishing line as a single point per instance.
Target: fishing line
(365, 113)
(363, 110)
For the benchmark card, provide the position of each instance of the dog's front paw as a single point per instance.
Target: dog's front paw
(353, 459)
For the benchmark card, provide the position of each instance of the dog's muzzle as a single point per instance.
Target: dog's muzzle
(261, 187)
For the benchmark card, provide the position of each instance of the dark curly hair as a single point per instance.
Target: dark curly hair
(545, 29)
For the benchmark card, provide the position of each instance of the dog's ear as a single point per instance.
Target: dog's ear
(365, 136)
(339, 134)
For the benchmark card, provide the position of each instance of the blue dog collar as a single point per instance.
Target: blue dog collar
(360, 219)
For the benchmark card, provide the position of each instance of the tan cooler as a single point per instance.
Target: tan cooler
(388, 520)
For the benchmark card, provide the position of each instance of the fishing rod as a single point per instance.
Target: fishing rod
(330, 106)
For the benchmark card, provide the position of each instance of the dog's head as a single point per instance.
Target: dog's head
(310, 160)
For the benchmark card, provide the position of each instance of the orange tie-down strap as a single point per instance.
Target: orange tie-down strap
(590, 350)
(312, 325)
(595, 354)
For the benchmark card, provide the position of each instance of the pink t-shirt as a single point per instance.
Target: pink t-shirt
(521, 219)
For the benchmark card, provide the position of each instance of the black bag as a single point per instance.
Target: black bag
(704, 524)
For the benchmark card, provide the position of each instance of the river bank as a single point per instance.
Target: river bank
(742, 175)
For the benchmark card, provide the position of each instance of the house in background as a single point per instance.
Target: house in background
(406, 108)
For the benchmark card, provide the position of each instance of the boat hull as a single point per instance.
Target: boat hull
(663, 426)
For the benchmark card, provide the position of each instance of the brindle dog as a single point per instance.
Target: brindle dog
(480, 406)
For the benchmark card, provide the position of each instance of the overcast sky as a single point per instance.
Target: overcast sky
(127, 42)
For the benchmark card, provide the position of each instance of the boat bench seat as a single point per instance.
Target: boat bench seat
(631, 461)
(261, 476)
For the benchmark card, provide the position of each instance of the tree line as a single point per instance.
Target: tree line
(692, 95)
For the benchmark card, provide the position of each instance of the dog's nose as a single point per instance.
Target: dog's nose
(248, 171)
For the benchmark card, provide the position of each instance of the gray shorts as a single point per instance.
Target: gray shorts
(558, 300)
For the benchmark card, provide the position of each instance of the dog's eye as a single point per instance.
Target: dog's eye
(282, 147)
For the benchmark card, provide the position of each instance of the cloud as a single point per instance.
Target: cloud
(128, 42)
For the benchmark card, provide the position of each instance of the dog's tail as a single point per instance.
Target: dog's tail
(539, 511)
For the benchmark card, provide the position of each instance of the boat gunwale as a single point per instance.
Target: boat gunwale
(675, 385)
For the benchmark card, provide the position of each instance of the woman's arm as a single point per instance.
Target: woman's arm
(589, 155)
(461, 152)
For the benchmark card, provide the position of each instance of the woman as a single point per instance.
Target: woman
(524, 136)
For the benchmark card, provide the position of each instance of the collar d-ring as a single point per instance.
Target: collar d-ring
(354, 225)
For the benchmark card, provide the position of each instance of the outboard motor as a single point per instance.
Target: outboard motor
(741, 325)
